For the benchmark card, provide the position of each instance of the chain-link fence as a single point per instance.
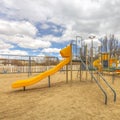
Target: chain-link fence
(26, 64)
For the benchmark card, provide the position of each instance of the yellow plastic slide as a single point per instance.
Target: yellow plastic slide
(65, 53)
(97, 64)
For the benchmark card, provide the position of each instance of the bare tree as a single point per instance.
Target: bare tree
(113, 45)
(49, 60)
(105, 44)
(110, 44)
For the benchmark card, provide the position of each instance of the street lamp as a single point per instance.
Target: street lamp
(92, 37)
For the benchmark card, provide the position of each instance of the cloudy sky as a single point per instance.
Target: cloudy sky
(43, 27)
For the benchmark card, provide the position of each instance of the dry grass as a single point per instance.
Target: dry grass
(72, 101)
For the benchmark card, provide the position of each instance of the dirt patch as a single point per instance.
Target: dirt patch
(62, 101)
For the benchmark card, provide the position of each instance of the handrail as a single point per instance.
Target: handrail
(104, 92)
(108, 85)
(100, 75)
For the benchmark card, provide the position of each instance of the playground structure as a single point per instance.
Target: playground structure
(71, 57)
(65, 53)
(87, 60)
(104, 62)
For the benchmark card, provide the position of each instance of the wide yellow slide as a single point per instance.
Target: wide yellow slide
(65, 53)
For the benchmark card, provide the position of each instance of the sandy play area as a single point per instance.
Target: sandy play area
(71, 101)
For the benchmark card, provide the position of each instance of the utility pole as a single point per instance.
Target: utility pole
(92, 37)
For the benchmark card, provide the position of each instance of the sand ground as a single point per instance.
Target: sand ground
(62, 101)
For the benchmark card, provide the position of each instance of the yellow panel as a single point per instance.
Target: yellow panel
(105, 56)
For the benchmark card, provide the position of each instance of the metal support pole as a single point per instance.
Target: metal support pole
(76, 47)
(48, 81)
(92, 60)
(71, 69)
(86, 61)
(71, 63)
(66, 73)
(80, 63)
(23, 88)
(80, 72)
(92, 37)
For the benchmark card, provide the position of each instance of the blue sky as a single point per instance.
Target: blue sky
(43, 27)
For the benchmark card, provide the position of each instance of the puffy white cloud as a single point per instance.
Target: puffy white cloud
(98, 16)
(88, 42)
(41, 55)
(67, 35)
(4, 45)
(17, 28)
(51, 50)
(21, 33)
(13, 52)
(26, 41)
(78, 17)
(45, 26)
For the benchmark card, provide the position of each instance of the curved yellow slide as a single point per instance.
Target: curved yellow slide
(97, 64)
(65, 53)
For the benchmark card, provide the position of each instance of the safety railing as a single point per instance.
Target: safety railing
(108, 85)
(99, 85)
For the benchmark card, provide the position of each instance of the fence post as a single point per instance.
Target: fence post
(29, 66)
